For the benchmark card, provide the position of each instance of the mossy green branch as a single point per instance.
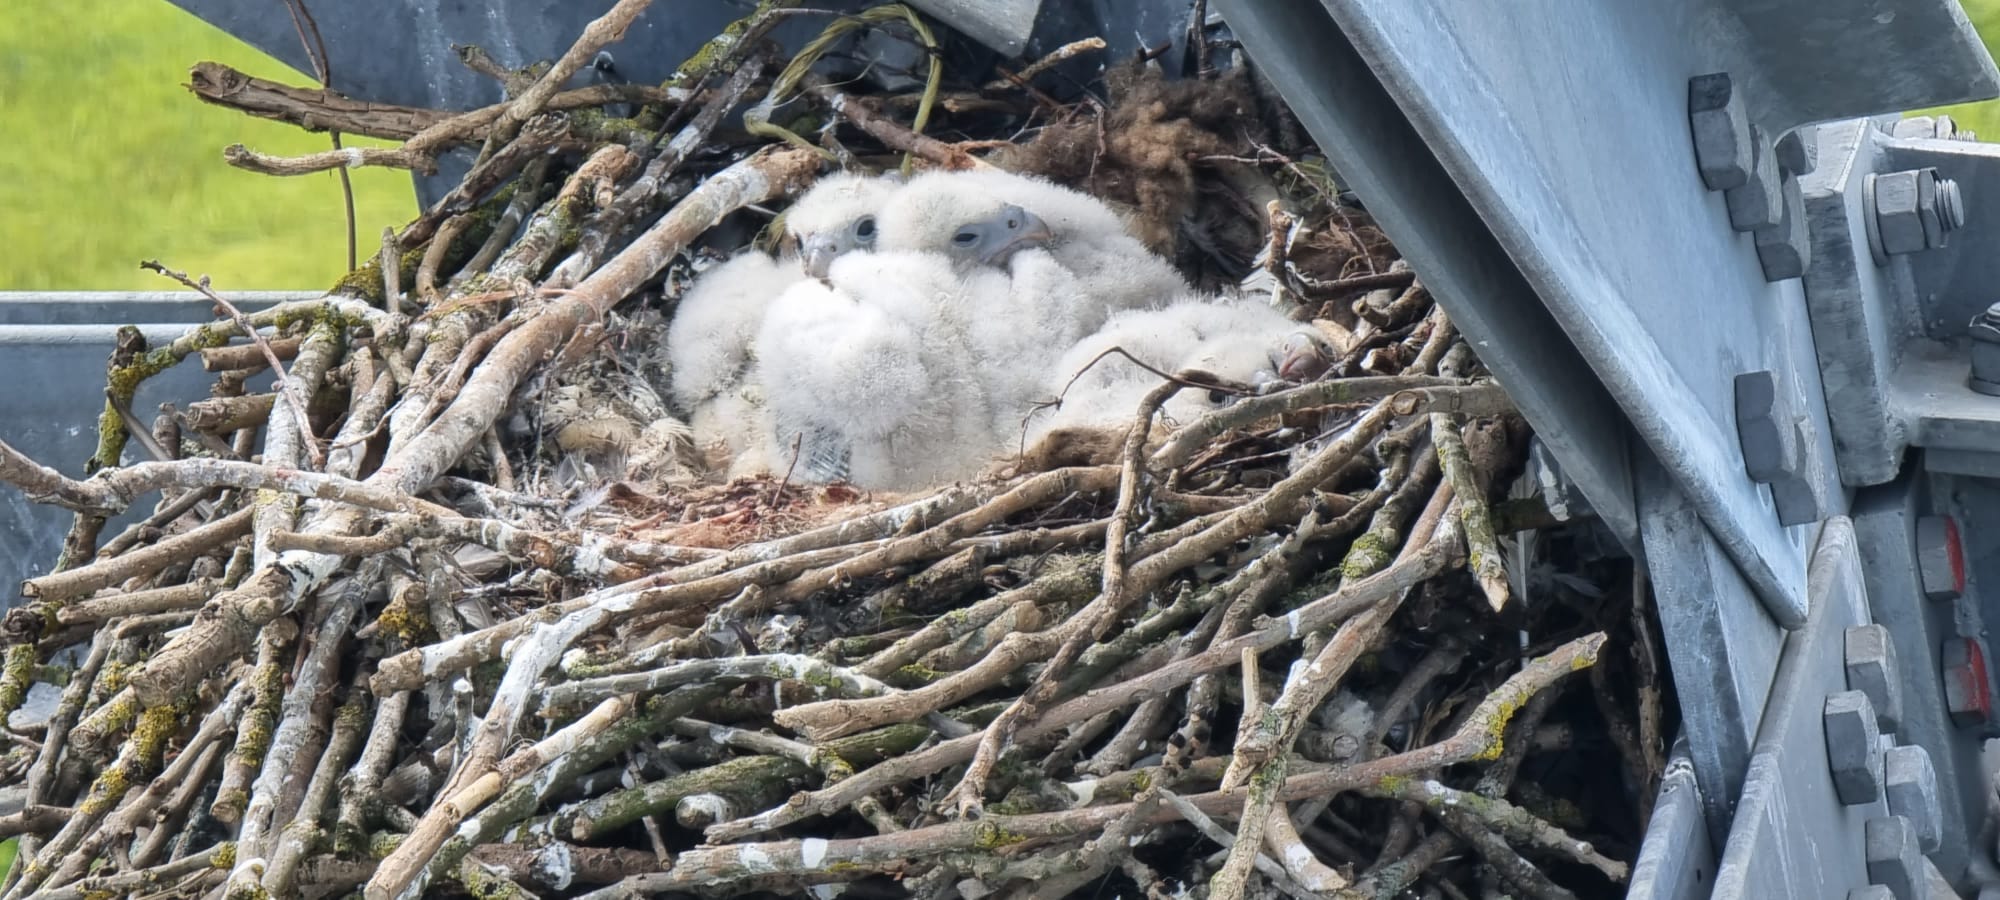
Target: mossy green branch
(15, 675)
(1482, 549)
(140, 756)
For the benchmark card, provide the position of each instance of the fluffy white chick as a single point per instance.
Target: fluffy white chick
(1113, 270)
(1234, 339)
(871, 374)
(710, 345)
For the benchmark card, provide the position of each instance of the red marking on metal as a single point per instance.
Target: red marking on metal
(1971, 684)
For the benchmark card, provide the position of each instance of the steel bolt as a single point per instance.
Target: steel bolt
(1759, 202)
(1912, 789)
(1773, 441)
(1945, 127)
(1784, 249)
(1853, 752)
(1723, 142)
(1798, 150)
(1966, 692)
(1893, 859)
(1985, 334)
(1871, 669)
(1913, 210)
(1940, 566)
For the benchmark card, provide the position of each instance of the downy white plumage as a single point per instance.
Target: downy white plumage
(871, 377)
(1113, 270)
(711, 343)
(1237, 339)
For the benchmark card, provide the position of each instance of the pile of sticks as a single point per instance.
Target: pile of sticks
(355, 647)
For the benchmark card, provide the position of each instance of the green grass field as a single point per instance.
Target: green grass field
(109, 160)
(1982, 118)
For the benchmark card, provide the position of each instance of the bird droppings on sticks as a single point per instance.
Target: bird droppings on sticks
(1246, 592)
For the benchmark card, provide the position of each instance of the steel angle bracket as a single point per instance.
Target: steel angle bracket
(1814, 782)
(1535, 160)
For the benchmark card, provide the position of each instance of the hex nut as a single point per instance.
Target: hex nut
(1798, 150)
(1773, 446)
(1910, 783)
(1758, 202)
(1897, 218)
(1936, 568)
(1784, 250)
(1985, 334)
(1914, 209)
(1968, 696)
(1723, 142)
(1914, 127)
(1853, 751)
(1870, 658)
(1890, 845)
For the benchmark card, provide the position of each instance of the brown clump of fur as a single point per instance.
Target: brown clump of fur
(1142, 154)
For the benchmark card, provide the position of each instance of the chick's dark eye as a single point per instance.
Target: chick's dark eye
(1013, 223)
(965, 238)
(1217, 396)
(865, 229)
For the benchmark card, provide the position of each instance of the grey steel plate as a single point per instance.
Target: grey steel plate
(1565, 124)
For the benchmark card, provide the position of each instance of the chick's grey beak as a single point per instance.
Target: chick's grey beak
(1304, 359)
(1021, 229)
(817, 252)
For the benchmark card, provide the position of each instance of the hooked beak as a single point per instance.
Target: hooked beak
(817, 253)
(1304, 360)
(1023, 229)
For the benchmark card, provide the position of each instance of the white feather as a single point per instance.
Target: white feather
(877, 360)
(711, 345)
(1231, 338)
(1114, 271)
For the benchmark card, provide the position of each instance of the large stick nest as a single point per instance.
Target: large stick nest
(460, 608)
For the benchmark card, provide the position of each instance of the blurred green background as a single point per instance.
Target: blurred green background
(109, 160)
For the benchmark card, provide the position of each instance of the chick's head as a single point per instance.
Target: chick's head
(960, 219)
(838, 215)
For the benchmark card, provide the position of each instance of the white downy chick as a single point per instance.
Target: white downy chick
(1113, 269)
(872, 376)
(1234, 339)
(710, 345)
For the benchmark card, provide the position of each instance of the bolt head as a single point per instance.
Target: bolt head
(1967, 694)
(1798, 150)
(1912, 789)
(1890, 848)
(1853, 747)
(1903, 202)
(1723, 143)
(1940, 558)
(1870, 658)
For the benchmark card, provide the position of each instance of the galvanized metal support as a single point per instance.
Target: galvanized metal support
(55, 345)
(1493, 99)
(1807, 773)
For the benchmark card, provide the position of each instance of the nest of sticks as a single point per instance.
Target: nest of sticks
(435, 616)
